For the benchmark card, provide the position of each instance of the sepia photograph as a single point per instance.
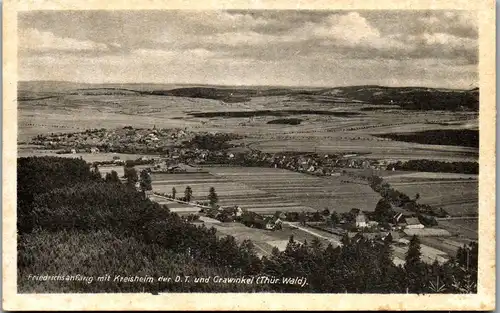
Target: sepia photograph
(256, 151)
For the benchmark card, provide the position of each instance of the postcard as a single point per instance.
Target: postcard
(237, 155)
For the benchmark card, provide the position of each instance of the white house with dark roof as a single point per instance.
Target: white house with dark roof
(361, 221)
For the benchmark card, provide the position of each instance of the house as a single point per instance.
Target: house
(273, 224)
(94, 150)
(73, 151)
(239, 211)
(361, 221)
(413, 223)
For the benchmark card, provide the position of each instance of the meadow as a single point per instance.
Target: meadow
(307, 190)
(457, 197)
(230, 191)
(267, 190)
(456, 193)
(265, 240)
(329, 123)
(466, 228)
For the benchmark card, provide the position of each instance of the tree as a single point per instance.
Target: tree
(415, 269)
(334, 218)
(302, 218)
(174, 192)
(316, 246)
(388, 239)
(131, 175)
(212, 197)
(467, 257)
(383, 211)
(345, 240)
(417, 196)
(188, 193)
(95, 172)
(413, 254)
(145, 181)
(107, 178)
(114, 177)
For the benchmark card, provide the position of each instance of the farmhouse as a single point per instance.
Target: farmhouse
(273, 223)
(361, 221)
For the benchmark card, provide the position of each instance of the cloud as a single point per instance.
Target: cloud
(252, 47)
(453, 42)
(36, 40)
(350, 29)
(456, 23)
(159, 55)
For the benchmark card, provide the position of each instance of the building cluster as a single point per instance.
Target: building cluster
(104, 140)
(181, 145)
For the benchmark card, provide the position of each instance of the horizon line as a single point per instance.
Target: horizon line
(244, 85)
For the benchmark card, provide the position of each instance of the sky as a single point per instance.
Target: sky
(277, 48)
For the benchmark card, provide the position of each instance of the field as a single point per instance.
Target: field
(406, 177)
(265, 240)
(466, 228)
(329, 123)
(267, 190)
(457, 197)
(429, 254)
(448, 245)
(174, 206)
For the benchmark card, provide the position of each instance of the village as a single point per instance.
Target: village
(326, 224)
(180, 145)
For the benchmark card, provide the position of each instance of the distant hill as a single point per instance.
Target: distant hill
(413, 98)
(410, 98)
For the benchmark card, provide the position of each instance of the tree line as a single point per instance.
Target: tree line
(434, 166)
